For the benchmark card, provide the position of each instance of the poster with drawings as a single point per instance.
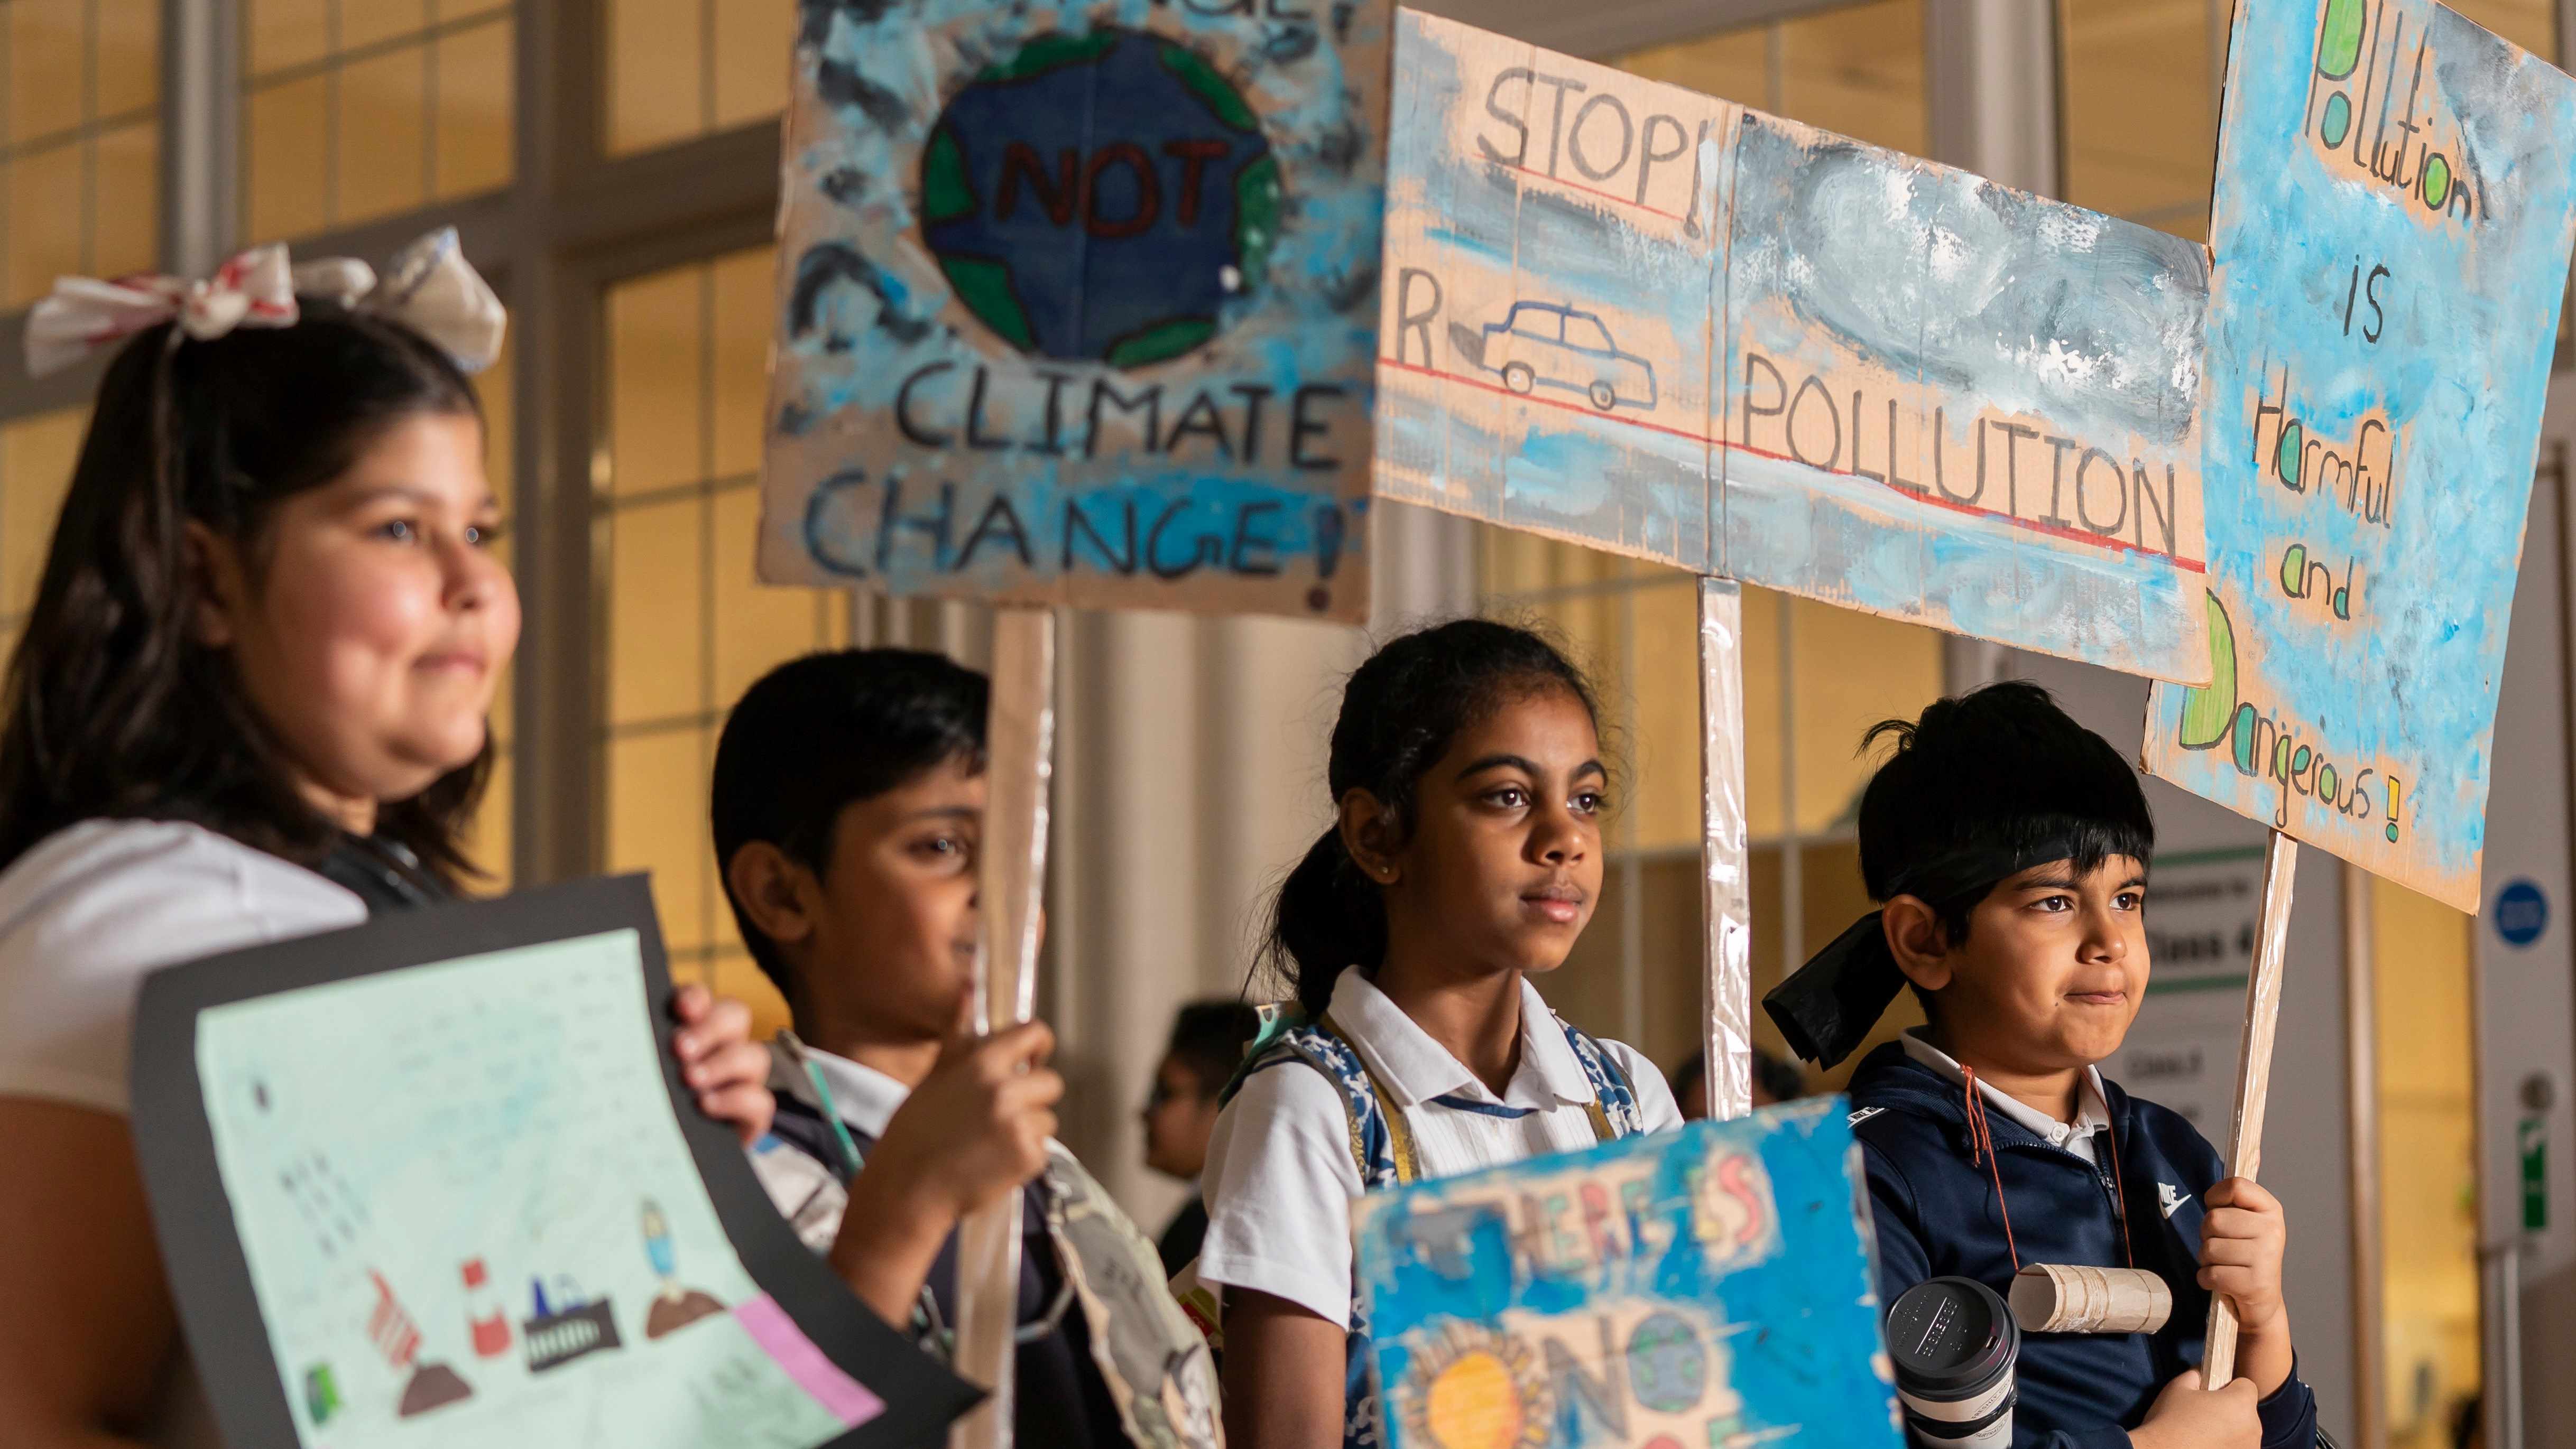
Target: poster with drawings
(469, 1212)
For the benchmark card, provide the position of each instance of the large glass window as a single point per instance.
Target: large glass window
(2425, 1042)
(79, 141)
(2138, 87)
(359, 109)
(680, 69)
(36, 456)
(1815, 676)
(684, 629)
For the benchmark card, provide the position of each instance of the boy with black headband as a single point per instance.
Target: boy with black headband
(2008, 846)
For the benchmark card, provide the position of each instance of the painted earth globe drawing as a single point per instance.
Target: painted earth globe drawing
(1119, 236)
(1667, 1367)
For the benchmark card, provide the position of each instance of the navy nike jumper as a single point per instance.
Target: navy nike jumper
(1934, 1206)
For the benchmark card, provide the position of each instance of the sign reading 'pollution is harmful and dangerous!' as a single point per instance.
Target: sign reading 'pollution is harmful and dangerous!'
(2394, 211)
(1079, 304)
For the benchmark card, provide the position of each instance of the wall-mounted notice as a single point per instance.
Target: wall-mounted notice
(1704, 1287)
(1665, 325)
(2181, 1050)
(435, 1182)
(2392, 222)
(1078, 303)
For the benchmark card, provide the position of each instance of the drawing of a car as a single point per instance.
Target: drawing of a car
(1547, 344)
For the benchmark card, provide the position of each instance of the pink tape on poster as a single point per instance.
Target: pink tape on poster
(777, 1334)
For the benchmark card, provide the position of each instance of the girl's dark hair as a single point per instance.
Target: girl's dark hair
(113, 708)
(1400, 712)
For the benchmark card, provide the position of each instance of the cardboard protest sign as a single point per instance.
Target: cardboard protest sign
(1672, 327)
(1710, 1286)
(436, 1181)
(1077, 303)
(2392, 222)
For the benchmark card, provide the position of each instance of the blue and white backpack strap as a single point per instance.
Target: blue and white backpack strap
(1382, 1149)
(1615, 1101)
(1381, 1145)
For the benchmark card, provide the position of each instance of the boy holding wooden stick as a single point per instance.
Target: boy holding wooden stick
(848, 808)
(2008, 846)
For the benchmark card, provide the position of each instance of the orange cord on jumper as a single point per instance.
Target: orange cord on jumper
(1981, 1151)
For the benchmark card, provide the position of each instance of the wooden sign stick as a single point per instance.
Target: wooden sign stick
(1726, 982)
(1011, 877)
(2254, 1074)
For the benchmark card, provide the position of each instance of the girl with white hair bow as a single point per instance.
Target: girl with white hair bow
(250, 704)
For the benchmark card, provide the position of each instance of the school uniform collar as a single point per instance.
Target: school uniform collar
(2092, 1109)
(1414, 1069)
(862, 1096)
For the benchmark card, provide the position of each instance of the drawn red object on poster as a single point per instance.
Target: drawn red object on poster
(483, 1313)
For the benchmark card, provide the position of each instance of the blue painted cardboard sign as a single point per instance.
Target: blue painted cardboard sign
(1666, 325)
(2393, 216)
(1703, 1287)
(1077, 303)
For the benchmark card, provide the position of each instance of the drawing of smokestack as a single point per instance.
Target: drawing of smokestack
(390, 1328)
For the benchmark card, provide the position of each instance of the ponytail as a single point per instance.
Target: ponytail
(1328, 916)
(1400, 712)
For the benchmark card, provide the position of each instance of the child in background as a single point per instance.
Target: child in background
(847, 803)
(2009, 846)
(1466, 772)
(1208, 1038)
(1774, 1082)
(249, 705)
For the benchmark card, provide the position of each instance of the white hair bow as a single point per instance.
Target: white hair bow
(428, 287)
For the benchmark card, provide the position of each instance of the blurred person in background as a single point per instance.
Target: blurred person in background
(1774, 1081)
(1208, 1038)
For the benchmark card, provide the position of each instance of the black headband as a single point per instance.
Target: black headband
(1827, 1007)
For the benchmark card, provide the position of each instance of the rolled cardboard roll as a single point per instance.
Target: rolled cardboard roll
(2058, 1298)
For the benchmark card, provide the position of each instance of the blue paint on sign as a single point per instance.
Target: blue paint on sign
(1709, 1286)
(2521, 913)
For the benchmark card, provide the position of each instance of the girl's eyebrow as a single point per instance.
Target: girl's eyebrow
(1524, 765)
(418, 497)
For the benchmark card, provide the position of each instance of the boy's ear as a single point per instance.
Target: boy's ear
(1916, 939)
(771, 888)
(1369, 834)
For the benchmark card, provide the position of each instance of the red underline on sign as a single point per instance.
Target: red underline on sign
(1590, 190)
(2033, 525)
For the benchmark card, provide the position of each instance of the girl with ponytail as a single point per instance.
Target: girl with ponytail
(1467, 778)
(249, 705)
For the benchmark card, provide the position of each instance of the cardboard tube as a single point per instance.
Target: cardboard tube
(2056, 1298)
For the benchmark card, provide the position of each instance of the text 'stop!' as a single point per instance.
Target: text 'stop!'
(1078, 303)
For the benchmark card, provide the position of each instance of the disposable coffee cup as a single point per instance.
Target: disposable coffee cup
(1953, 1343)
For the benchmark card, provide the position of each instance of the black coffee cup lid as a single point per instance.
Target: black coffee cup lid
(1950, 1335)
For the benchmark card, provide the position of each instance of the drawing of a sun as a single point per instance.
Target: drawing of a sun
(1473, 1388)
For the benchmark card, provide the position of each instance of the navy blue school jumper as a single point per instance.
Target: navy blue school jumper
(1933, 1200)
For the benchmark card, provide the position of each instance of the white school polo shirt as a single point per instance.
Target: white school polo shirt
(84, 917)
(2092, 1111)
(1280, 1178)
